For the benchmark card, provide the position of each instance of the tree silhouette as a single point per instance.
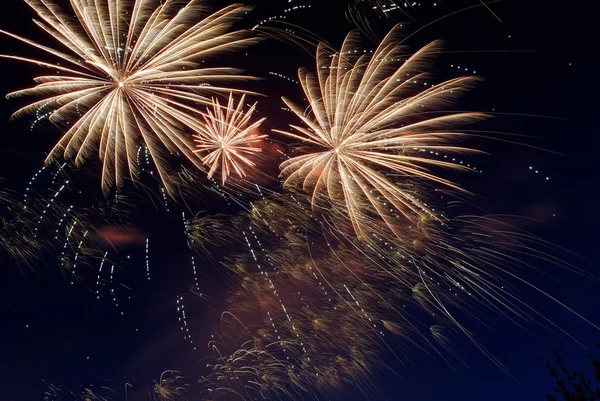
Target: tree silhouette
(573, 386)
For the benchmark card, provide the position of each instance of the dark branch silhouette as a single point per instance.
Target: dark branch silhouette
(571, 385)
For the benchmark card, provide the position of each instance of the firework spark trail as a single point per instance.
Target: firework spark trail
(165, 199)
(51, 224)
(147, 258)
(196, 285)
(29, 227)
(490, 10)
(183, 320)
(368, 116)
(30, 184)
(73, 268)
(335, 303)
(131, 76)
(284, 77)
(283, 16)
(204, 231)
(359, 11)
(300, 314)
(280, 28)
(169, 387)
(98, 278)
(18, 238)
(57, 393)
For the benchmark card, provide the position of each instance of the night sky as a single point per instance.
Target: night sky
(540, 60)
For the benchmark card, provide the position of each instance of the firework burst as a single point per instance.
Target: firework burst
(227, 138)
(17, 234)
(368, 121)
(130, 75)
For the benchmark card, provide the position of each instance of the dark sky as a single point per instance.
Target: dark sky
(539, 60)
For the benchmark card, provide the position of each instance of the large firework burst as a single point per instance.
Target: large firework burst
(370, 117)
(227, 138)
(129, 76)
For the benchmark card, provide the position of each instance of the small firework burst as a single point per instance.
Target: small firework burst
(229, 138)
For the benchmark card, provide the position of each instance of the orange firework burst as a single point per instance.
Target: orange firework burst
(369, 119)
(130, 77)
(227, 137)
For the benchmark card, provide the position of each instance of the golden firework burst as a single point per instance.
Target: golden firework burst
(130, 76)
(370, 119)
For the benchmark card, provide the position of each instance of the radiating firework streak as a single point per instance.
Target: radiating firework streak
(228, 137)
(368, 116)
(130, 75)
